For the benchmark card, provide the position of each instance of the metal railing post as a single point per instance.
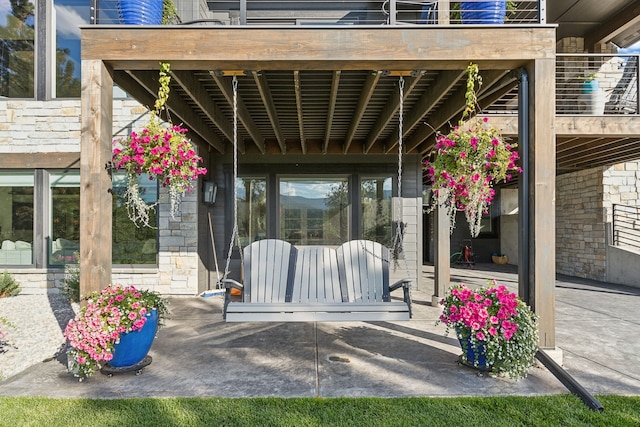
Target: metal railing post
(542, 11)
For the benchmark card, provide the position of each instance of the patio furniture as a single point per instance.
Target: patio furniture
(316, 283)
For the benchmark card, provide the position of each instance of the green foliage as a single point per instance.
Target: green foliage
(169, 13)
(559, 410)
(71, 281)
(8, 285)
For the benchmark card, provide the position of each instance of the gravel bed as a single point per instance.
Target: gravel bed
(37, 332)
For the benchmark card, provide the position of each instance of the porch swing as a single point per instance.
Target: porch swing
(284, 283)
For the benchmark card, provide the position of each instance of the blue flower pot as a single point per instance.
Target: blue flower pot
(591, 86)
(135, 345)
(140, 12)
(483, 12)
(469, 352)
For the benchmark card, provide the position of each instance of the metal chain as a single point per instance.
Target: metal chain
(399, 232)
(234, 234)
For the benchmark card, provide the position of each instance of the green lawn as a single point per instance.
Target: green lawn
(562, 410)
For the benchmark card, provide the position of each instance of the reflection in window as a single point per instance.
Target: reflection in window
(17, 43)
(251, 194)
(65, 218)
(133, 244)
(376, 210)
(16, 219)
(314, 211)
(70, 15)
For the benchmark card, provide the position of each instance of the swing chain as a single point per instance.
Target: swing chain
(235, 238)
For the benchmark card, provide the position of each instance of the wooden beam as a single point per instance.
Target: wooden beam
(365, 95)
(540, 283)
(620, 22)
(203, 135)
(434, 93)
(390, 109)
(298, 92)
(226, 87)
(450, 110)
(55, 160)
(267, 100)
(590, 126)
(348, 47)
(333, 97)
(197, 92)
(95, 182)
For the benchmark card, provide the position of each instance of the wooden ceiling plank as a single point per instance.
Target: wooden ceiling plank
(444, 82)
(177, 106)
(450, 110)
(298, 92)
(267, 100)
(392, 106)
(226, 87)
(368, 87)
(620, 22)
(333, 97)
(197, 92)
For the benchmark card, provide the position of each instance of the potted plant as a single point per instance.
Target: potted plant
(593, 97)
(496, 330)
(468, 161)
(160, 150)
(482, 12)
(117, 313)
(146, 12)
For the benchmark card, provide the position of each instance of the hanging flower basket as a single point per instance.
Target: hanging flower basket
(162, 151)
(467, 163)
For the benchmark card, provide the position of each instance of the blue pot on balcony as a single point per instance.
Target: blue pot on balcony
(134, 346)
(483, 12)
(140, 12)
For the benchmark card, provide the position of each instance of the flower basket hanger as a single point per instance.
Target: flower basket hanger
(469, 161)
(163, 152)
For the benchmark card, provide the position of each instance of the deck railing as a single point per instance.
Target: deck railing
(597, 84)
(327, 12)
(588, 84)
(626, 226)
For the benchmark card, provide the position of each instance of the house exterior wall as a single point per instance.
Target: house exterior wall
(28, 126)
(580, 228)
(584, 215)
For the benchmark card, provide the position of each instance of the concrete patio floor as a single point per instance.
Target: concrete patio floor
(197, 354)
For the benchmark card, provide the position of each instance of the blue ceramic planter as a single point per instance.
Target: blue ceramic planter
(140, 12)
(134, 346)
(590, 87)
(467, 348)
(483, 12)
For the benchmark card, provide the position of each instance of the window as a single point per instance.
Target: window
(16, 218)
(65, 217)
(376, 210)
(251, 194)
(314, 211)
(17, 44)
(133, 244)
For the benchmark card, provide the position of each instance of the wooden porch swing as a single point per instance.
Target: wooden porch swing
(284, 283)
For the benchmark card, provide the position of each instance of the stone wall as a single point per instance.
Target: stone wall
(580, 225)
(28, 126)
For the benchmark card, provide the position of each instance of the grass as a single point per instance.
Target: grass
(557, 410)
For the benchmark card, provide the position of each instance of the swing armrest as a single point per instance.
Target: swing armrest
(405, 284)
(230, 283)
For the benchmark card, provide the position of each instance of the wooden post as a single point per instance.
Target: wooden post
(442, 265)
(95, 182)
(542, 178)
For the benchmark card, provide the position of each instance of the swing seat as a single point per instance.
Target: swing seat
(316, 284)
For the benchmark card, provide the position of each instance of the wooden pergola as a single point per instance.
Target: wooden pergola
(129, 56)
